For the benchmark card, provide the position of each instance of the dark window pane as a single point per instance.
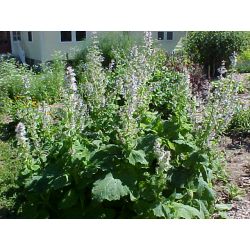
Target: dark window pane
(170, 35)
(29, 36)
(16, 35)
(161, 35)
(66, 36)
(80, 35)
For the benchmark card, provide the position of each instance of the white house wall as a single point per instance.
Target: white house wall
(52, 44)
(32, 49)
(169, 45)
(46, 43)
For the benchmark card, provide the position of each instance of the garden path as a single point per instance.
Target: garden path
(237, 154)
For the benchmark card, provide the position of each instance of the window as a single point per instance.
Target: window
(165, 35)
(30, 38)
(16, 35)
(160, 35)
(66, 36)
(169, 35)
(80, 35)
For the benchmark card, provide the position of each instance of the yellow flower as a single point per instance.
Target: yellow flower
(11, 101)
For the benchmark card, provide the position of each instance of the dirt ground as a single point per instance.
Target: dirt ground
(237, 155)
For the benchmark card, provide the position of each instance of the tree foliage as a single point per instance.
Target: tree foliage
(209, 48)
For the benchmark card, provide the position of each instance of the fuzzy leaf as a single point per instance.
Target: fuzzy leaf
(109, 188)
(141, 207)
(204, 192)
(137, 156)
(186, 212)
(29, 211)
(69, 199)
(223, 207)
(161, 209)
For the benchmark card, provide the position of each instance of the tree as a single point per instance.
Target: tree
(209, 48)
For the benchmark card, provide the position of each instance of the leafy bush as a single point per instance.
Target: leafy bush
(240, 123)
(114, 152)
(108, 43)
(243, 64)
(209, 48)
(122, 142)
(20, 85)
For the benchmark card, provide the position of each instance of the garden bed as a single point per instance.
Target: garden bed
(133, 148)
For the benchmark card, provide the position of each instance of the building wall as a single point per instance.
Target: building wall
(32, 49)
(46, 43)
(52, 44)
(169, 45)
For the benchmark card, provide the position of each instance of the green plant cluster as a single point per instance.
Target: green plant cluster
(19, 80)
(243, 64)
(122, 141)
(209, 48)
(124, 149)
(240, 123)
(108, 43)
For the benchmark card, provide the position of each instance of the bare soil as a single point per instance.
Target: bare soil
(237, 155)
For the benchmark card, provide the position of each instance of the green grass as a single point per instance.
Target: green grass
(9, 166)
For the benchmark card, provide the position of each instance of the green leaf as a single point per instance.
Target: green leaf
(202, 205)
(109, 188)
(186, 212)
(204, 192)
(223, 215)
(223, 207)
(137, 156)
(106, 158)
(43, 214)
(59, 182)
(75, 212)
(161, 209)
(35, 167)
(29, 211)
(94, 211)
(69, 199)
(141, 207)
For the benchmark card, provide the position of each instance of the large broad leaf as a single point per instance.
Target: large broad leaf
(109, 188)
(146, 143)
(184, 146)
(106, 158)
(202, 207)
(75, 212)
(171, 130)
(186, 212)
(204, 192)
(69, 199)
(53, 177)
(59, 182)
(141, 207)
(29, 211)
(137, 156)
(97, 211)
(224, 207)
(196, 159)
(161, 209)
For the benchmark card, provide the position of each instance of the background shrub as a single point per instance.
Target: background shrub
(243, 64)
(108, 43)
(240, 123)
(209, 48)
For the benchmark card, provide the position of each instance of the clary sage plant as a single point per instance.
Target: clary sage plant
(120, 143)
